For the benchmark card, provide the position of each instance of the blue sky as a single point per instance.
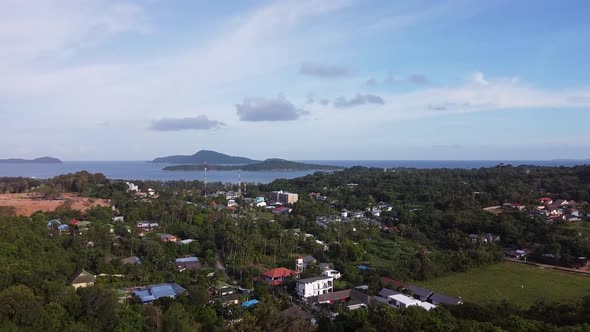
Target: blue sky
(330, 79)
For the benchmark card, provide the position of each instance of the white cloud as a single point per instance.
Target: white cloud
(482, 94)
(479, 79)
(32, 30)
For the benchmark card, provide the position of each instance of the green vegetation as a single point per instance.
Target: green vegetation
(422, 233)
(516, 283)
(267, 165)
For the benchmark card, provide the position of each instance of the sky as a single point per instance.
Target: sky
(301, 80)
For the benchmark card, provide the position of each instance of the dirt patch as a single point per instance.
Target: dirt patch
(28, 203)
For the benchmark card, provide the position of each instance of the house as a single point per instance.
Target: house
(437, 298)
(63, 229)
(83, 226)
(518, 253)
(147, 226)
(386, 292)
(419, 293)
(81, 279)
(230, 299)
(308, 260)
(118, 218)
(352, 298)
(187, 263)
(187, 241)
(223, 289)
(164, 237)
(545, 200)
(153, 292)
(401, 301)
(279, 275)
(260, 201)
(322, 245)
(314, 286)
(131, 260)
(281, 210)
(231, 203)
(331, 273)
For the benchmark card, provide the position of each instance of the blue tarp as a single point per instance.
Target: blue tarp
(363, 267)
(250, 303)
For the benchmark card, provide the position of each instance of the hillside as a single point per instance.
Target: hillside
(42, 160)
(205, 156)
(267, 165)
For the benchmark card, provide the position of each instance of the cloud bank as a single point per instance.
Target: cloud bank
(200, 122)
(323, 71)
(359, 99)
(268, 109)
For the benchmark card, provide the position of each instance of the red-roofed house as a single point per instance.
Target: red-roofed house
(277, 276)
(74, 222)
(546, 200)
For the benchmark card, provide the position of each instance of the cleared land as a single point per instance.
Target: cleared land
(26, 204)
(519, 284)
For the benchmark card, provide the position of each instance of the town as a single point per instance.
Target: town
(234, 252)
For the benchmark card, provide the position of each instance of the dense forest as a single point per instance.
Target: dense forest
(433, 212)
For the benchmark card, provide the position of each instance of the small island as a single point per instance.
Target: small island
(273, 164)
(205, 156)
(42, 160)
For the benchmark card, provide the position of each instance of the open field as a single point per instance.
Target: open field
(518, 283)
(26, 204)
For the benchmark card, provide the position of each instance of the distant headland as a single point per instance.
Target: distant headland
(272, 164)
(42, 160)
(205, 157)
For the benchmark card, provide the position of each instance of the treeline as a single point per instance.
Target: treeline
(443, 188)
(496, 317)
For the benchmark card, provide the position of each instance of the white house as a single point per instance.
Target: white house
(332, 273)
(401, 301)
(315, 286)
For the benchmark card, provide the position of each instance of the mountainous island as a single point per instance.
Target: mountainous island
(205, 156)
(273, 164)
(42, 160)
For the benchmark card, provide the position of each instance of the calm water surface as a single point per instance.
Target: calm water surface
(141, 170)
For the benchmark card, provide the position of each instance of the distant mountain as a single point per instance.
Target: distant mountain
(273, 164)
(42, 160)
(205, 156)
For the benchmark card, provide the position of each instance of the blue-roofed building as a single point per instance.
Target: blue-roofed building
(154, 292)
(63, 229)
(250, 303)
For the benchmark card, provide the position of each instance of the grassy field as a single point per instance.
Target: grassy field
(519, 284)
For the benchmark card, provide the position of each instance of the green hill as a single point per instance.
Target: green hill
(205, 157)
(273, 164)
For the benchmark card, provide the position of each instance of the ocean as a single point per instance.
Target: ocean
(141, 170)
